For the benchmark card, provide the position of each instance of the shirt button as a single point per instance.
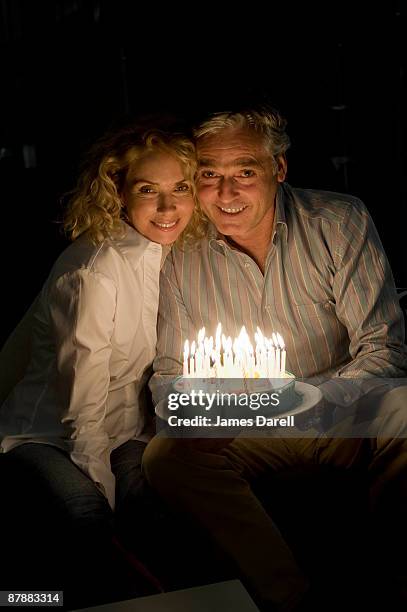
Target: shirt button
(268, 308)
(246, 264)
(327, 306)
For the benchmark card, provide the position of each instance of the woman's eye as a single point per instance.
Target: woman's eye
(147, 189)
(184, 187)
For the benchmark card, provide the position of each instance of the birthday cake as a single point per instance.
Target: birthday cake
(233, 376)
(239, 397)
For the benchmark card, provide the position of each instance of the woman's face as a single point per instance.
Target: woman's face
(157, 197)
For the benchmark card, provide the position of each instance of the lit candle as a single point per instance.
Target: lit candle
(269, 357)
(224, 357)
(283, 353)
(201, 336)
(185, 364)
(217, 351)
(277, 355)
(217, 367)
(251, 370)
(258, 349)
(261, 354)
(192, 360)
(207, 358)
(218, 337)
(237, 360)
(199, 355)
(227, 356)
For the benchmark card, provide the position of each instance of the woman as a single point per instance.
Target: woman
(79, 419)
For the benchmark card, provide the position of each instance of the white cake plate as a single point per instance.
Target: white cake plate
(310, 397)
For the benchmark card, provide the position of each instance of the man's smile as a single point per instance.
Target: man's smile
(232, 211)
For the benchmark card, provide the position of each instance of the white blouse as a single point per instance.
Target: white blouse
(93, 341)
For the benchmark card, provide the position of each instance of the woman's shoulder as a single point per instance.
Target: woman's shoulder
(83, 254)
(107, 257)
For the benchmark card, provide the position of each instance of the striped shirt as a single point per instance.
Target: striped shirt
(327, 289)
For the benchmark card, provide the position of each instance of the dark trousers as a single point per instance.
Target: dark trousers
(61, 530)
(216, 486)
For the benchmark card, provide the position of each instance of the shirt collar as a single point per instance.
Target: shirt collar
(280, 212)
(133, 246)
(218, 242)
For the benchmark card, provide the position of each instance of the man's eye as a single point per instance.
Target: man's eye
(247, 173)
(208, 174)
(147, 189)
(183, 188)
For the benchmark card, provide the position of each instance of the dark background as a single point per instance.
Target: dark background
(72, 68)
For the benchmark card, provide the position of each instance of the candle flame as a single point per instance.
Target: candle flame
(280, 341)
(223, 356)
(218, 337)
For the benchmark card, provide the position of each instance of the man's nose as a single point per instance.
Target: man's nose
(227, 190)
(166, 201)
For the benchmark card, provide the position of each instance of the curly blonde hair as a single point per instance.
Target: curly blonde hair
(95, 205)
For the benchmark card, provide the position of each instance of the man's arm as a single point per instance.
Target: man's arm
(366, 300)
(367, 304)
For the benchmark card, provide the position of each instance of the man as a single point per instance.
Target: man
(310, 265)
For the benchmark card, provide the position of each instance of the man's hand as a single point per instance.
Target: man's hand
(319, 417)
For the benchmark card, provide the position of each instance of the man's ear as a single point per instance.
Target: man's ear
(281, 167)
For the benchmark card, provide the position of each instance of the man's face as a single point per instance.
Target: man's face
(237, 182)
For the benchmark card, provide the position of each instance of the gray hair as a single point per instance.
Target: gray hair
(264, 120)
